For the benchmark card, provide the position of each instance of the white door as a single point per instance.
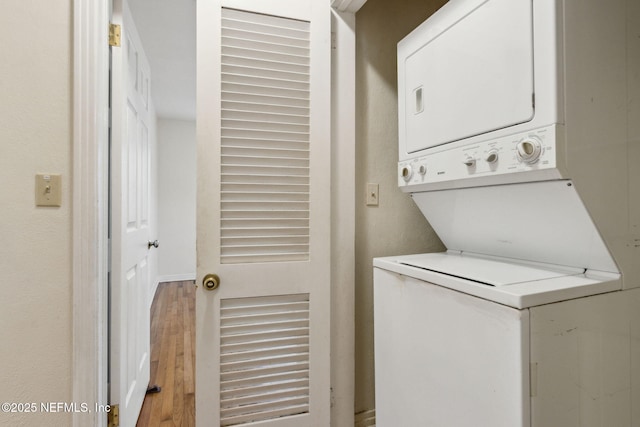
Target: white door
(263, 213)
(130, 183)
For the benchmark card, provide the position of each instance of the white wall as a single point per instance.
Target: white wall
(176, 200)
(35, 242)
(154, 256)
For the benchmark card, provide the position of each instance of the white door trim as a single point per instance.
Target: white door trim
(343, 216)
(90, 208)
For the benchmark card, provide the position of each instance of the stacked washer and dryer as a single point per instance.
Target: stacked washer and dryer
(519, 141)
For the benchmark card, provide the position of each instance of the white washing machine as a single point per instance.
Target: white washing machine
(518, 140)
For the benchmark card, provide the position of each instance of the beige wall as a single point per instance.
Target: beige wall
(396, 226)
(35, 250)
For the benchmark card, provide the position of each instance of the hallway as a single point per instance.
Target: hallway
(172, 357)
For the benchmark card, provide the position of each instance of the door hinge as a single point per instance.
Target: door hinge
(114, 35)
(113, 416)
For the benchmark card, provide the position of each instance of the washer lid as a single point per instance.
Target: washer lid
(486, 271)
(506, 281)
(543, 222)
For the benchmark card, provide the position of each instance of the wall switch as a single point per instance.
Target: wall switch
(48, 190)
(372, 194)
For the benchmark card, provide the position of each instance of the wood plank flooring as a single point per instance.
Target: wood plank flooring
(172, 357)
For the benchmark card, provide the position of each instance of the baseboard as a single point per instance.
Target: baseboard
(365, 418)
(153, 290)
(176, 277)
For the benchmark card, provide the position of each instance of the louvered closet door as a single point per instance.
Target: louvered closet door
(263, 213)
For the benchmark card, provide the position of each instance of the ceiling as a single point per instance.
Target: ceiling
(168, 32)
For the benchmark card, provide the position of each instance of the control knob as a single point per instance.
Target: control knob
(529, 150)
(491, 157)
(469, 161)
(407, 173)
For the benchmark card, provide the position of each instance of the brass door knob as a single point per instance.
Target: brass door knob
(211, 282)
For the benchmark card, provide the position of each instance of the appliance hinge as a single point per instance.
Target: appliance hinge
(533, 100)
(114, 35)
(332, 397)
(113, 416)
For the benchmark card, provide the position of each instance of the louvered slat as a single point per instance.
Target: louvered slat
(256, 327)
(245, 214)
(263, 316)
(272, 413)
(240, 186)
(264, 358)
(273, 342)
(293, 392)
(271, 196)
(261, 63)
(262, 107)
(252, 390)
(255, 43)
(265, 125)
(265, 161)
(272, 352)
(264, 138)
(255, 178)
(283, 173)
(254, 143)
(264, 337)
(255, 35)
(265, 371)
(283, 378)
(267, 231)
(280, 81)
(265, 116)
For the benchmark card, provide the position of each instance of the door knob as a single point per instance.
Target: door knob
(155, 244)
(211, 282)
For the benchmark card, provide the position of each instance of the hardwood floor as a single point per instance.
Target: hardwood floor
(172, 357)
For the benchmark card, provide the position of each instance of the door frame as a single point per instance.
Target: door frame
(343, 215)
(90, 211)
(90, 207)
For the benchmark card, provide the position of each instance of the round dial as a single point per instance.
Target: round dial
(406, 172)
(529, 150)
(422, 170)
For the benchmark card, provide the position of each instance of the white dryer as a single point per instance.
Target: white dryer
(518, 142)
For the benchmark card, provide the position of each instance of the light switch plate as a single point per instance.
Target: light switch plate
(48, 190)
(372, 194)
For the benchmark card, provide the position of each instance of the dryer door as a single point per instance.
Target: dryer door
(467, 70)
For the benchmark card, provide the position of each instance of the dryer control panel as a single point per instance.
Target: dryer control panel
(524, 152)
